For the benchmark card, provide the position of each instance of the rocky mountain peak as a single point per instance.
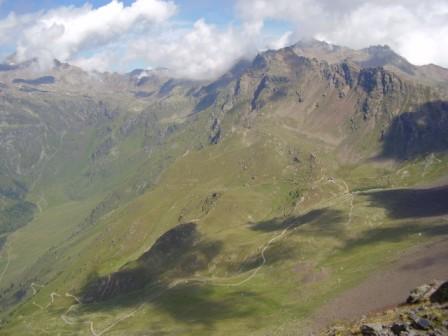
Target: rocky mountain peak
(312, 43)
(376, 56)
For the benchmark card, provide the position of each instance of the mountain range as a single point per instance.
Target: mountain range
(138, 203)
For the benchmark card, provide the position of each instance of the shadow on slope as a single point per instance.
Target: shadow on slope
(419, 132)
(276, 253)
(179, 252)
(396, 234)
(412, 203)
(199, 304)
(36, 81)
(156, 279)
(191, 303)
(325, 221)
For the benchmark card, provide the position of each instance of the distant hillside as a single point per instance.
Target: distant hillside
(138, 203)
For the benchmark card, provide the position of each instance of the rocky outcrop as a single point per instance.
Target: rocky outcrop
(424, 314)
(103, 149)
(441, 294)
(380, 80)
(422, 293)
(215, 132)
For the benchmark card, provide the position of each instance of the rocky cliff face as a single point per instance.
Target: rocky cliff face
(110, 165)
(366, 103)
(356, 105)
(336, 92)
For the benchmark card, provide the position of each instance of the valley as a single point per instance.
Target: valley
(245, 205)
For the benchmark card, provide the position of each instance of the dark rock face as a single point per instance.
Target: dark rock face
(215, 132)
(378, 79)
(420, 323)
(347, 73)
(373, 329)
(256, 102)
(441, 294)
(398, 328)
(421, 293)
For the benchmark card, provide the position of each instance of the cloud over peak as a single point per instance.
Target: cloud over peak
(416, 29)
(64, 32)
(200, 53)
(153, 33)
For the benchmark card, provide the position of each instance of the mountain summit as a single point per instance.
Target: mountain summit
(250, 204)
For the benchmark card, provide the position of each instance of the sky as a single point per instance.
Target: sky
(201, 39)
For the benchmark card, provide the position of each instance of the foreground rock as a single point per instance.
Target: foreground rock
(441, 294)
(425, 313)
(422, 293)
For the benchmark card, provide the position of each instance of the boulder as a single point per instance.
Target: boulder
(441, 294)
(420, 323)
(372, 329)
(399, 328)
(422, 293)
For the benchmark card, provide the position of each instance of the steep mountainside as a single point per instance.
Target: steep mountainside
(423, 313)
(134, 203)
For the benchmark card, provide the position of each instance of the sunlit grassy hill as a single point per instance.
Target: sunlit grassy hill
(235, 207)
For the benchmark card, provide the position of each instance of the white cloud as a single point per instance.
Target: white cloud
(12, 26)
(101, 61)
(201, 53)
(416, 29)
(282, 41)
(64, 32)
(115, 36)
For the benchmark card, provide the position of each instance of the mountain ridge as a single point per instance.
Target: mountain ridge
(265, 178)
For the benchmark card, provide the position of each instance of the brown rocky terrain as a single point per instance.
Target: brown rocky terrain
(425, 313)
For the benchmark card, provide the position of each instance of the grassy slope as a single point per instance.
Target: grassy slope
(71, 186)
(260, 184)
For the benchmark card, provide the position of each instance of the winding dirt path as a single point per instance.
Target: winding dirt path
(33, 287)
(8, 260)
(214, 281)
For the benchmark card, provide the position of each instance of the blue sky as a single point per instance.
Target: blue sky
(203, 38)
(219, 18)
(217, 11)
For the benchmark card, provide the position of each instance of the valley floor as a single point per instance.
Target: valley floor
(281, 237)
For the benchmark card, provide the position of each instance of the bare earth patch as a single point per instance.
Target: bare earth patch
(309, 273)
(387, 288)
